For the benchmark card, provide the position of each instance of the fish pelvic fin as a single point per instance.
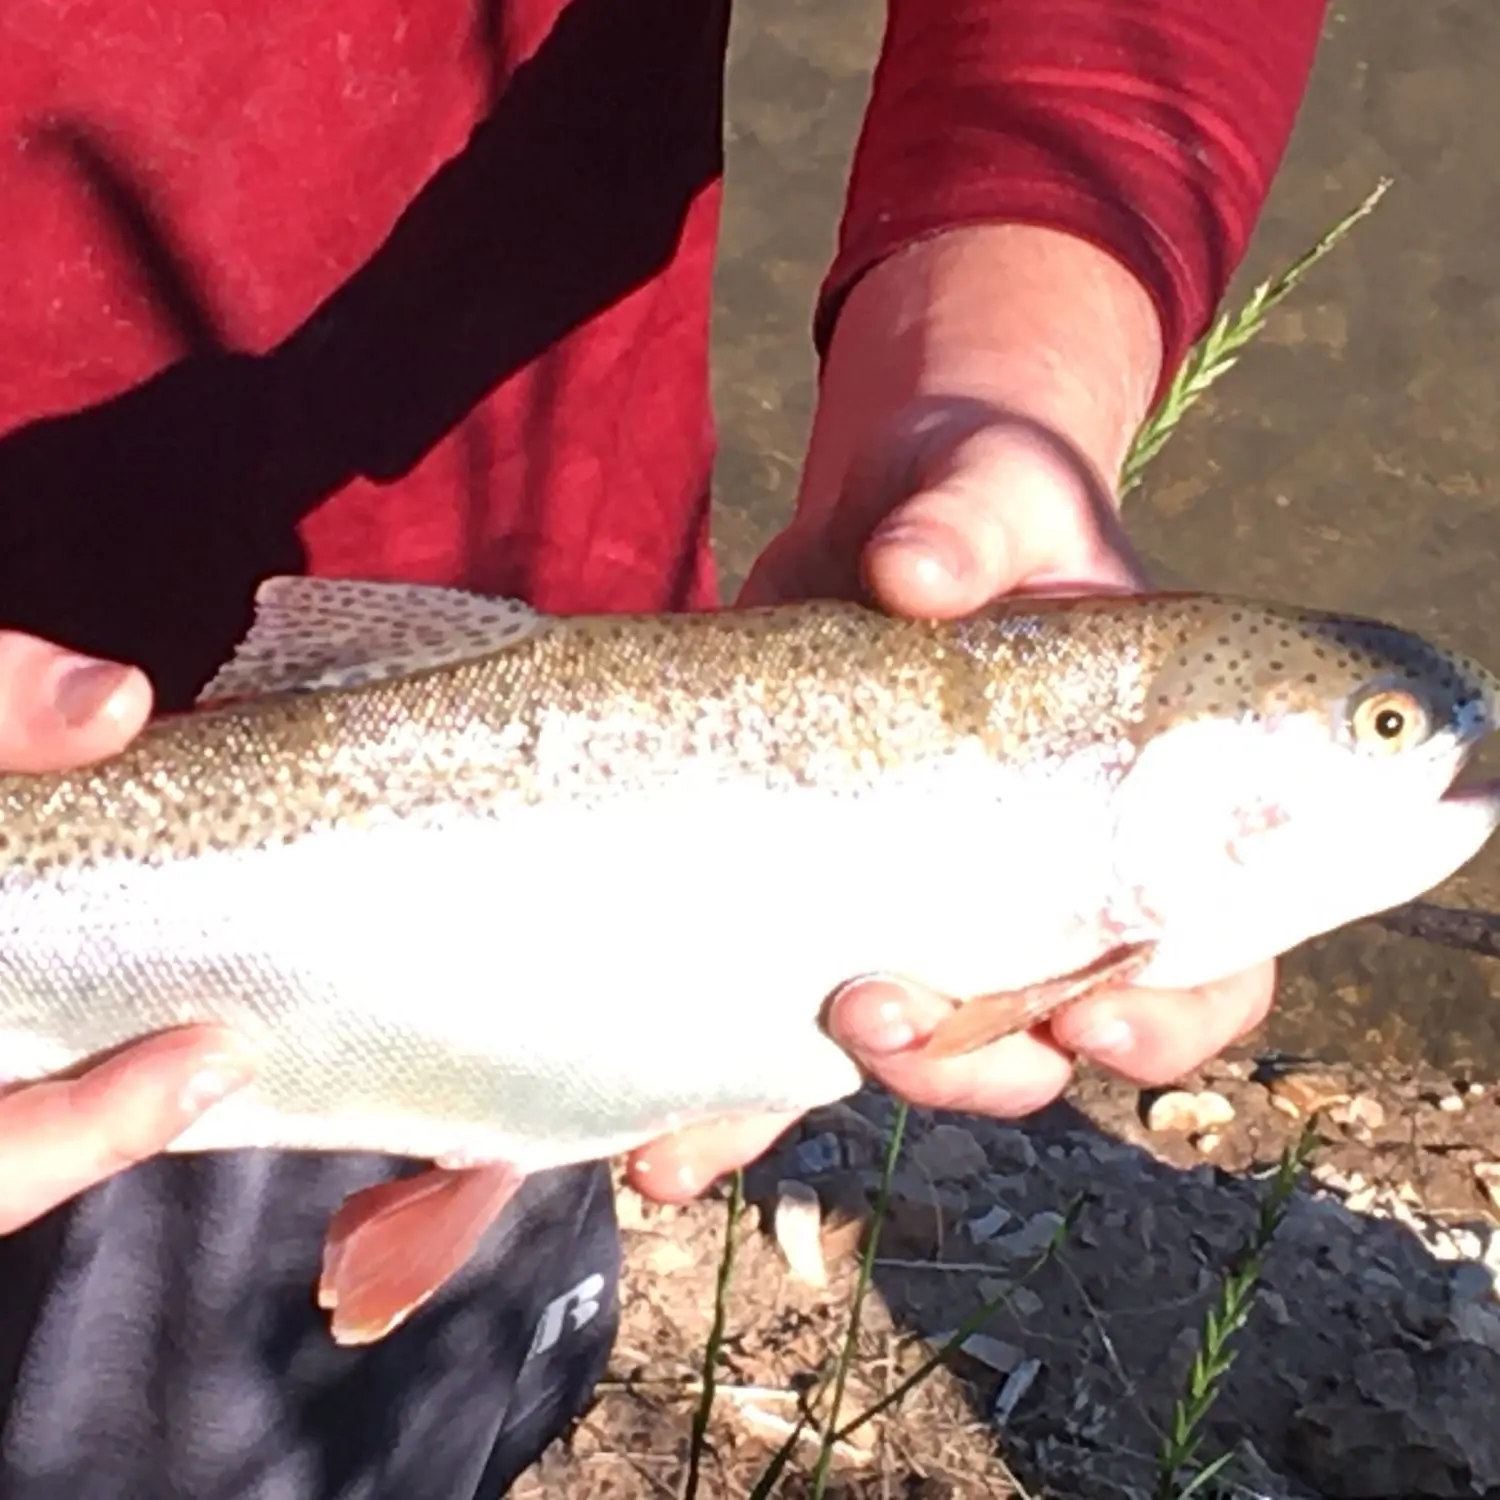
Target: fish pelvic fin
(988, 1018)
(390, 1247)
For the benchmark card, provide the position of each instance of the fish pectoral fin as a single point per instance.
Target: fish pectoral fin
(312, 634)
(391, 1246)
(987, 1018)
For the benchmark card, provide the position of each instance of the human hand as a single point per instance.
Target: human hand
(65, 1134)
(959, 455)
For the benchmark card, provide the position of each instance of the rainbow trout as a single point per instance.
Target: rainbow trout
(504, 891)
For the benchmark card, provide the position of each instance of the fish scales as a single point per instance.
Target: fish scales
(465, 905)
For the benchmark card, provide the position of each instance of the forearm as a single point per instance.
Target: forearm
(1029, 321)
(1148, 128)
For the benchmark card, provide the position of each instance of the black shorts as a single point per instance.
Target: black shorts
(159, 1340)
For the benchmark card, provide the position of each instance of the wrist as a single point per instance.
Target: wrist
(1034, 322)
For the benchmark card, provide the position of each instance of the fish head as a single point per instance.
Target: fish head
(1294, 772)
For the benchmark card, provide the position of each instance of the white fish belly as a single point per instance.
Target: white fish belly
(553, 983)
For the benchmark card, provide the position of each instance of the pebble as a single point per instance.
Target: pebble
(799, 1231)
(948, 1153)
(1477, 1322)
(1025, 1303)
(1017, 1383)
(630, 1208)
(1032, 1237)
(1012, 1151)
(818, 1154)
(667, 1257)
(996, 1353)
(1469, 1282)
(989, 1224)
(1358, 1112)
(1186, 1112)
(1301, 1094)
(1275, 1306)
(1451, 1104)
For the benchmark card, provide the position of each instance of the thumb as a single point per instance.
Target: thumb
(1004, 510)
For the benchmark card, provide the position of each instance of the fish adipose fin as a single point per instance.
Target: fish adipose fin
(988, 1018)
(316, 634)
(391, 1246)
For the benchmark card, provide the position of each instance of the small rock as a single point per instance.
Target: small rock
(1302, 1094)
(1032, 1237)
(996, 1353)
(667, 1257)
(1017, 1383)
(818, 1154)
(1025, 1303)
(989, 1224)
(630, 1208)
(1360, 1112)
(1206, 1141)
(1451, 1104)
(949, 1153)
(1469, 1282)
(1275, 1306)
(1477, 1323)
(799, 1231)
(1012, 1151)
(1185, 1112)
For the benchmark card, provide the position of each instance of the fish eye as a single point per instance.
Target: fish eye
(1389, 721)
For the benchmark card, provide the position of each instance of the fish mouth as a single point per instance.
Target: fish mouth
(1464, 786)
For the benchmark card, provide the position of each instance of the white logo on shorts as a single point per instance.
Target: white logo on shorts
(575, 1309)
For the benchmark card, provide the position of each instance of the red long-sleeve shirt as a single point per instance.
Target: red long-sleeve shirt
(366, 288)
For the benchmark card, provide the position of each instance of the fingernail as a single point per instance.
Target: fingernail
(215, 1080)
(886, 1031)
(937, 554)
(84, 688)
(1112, 1038)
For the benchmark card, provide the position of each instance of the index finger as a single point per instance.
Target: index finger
(63, 1135)
(59, 710)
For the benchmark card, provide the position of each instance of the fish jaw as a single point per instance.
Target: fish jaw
(1248, 839)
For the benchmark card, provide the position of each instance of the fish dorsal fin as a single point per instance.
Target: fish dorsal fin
(313, 634)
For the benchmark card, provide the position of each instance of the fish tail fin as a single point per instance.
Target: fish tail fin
(391, 1246)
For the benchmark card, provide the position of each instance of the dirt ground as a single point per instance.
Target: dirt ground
(1370, 1365)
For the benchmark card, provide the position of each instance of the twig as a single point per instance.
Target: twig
(1450, 926)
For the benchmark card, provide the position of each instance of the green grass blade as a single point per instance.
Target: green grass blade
(1217, 352)
(715, 1340)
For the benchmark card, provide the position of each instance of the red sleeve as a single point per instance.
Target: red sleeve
(1151, 128)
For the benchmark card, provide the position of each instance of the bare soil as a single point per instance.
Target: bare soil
(1370, 1365)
